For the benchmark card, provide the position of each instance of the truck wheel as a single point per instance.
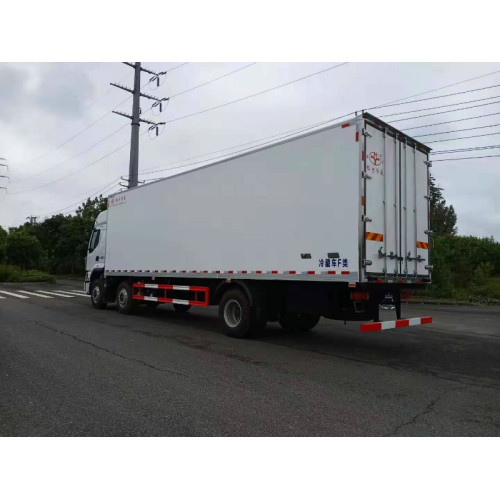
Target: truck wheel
(124, 302)
(235, 313)
(181, 308)
(97, 294)
(298, 322)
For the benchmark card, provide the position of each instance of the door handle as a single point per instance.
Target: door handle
(97, 258)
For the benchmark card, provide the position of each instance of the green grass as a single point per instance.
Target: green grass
(12, 274)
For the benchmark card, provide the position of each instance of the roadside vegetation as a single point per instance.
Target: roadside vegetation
(466, 268)
(57, 245)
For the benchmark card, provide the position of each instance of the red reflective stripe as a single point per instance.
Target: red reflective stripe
(193, 271)
(332, 272)
(258, 272)
(357, 136)
(205, 272)
(292, 272)
(402, 322)
(378, 281)
(426, 320)
(345, 272)
(230, 272)
(362, 156)
(345, 125)
(311, 272)
(274, 272)
(164, 271)
(244, 272)
(371, 327)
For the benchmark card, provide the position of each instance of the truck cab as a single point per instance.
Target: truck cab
(96, 251)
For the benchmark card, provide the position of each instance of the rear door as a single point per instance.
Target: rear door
(395, 204)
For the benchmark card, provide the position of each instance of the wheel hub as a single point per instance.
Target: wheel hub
(232, 313)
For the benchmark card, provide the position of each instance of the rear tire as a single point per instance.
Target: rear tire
(97, 294)
(298, 322)
(181, 308)
(124, 302)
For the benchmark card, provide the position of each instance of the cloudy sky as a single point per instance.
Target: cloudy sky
(63, 144)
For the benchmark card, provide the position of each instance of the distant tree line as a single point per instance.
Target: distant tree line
(57, 245)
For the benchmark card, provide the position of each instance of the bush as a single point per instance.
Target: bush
(12, 274)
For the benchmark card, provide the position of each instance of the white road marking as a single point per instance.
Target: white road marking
(2, 297)
(69, 293)
(36, 294)
(80, 291)
(57, 294)
(14, 294)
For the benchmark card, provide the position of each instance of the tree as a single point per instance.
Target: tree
(443, 218)
(24, 249)
(3, 244)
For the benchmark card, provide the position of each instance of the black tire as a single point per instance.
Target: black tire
(98, 294)
(181, 308)
(124, 302)
(298, 322)
(235, 313)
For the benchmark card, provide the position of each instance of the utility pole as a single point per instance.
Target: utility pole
(4, 173)
(133, 171)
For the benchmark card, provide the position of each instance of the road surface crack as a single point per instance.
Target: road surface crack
(428, 409)
(105, 349)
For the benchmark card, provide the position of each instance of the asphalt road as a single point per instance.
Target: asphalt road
(67, 369)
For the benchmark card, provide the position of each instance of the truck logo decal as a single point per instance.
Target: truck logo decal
(375, 158)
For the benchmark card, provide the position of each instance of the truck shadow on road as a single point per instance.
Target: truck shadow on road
(416, 349)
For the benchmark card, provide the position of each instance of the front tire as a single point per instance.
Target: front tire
(97, 294)
(124, 302)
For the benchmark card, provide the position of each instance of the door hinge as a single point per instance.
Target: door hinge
(365, 218)
(365, 175)
(367, 262)
(364, 132)
(428, 163)
(428, 231)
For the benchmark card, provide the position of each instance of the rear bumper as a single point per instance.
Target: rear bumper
(398, 323)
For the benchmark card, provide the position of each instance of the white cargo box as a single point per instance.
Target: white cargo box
(344, 203)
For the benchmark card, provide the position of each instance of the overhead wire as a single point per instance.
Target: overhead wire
(256, 94)
(440, 107)
(211, 81)
(457, 130)
(452, 121)
(464, 150)
(70, 159)
(462, 138)
(466, 158)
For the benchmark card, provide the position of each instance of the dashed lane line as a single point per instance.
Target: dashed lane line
(14, 294)
(36, 294)
(80, 294)
(56, 294)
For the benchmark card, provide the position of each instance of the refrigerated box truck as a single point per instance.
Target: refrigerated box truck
(326, 224)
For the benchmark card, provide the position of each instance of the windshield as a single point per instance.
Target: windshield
(94, 240)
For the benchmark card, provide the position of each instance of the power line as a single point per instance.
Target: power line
(435, 97)
(439, 107)
(459, 138)
(443, 112)
(467, 158)
(211, 81)
(254, 95)
(114, 182)
(439, 88)
(457, 130)
(464, 150)
(72, 173)
(72, 158)
(452, 121)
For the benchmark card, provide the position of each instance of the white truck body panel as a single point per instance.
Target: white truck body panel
(288, 211)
